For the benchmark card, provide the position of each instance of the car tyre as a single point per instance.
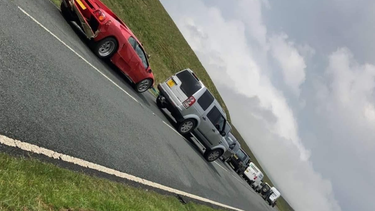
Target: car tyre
(159, 102)
(143, 85)
(212, 155)
(186, 126)
(106, 47)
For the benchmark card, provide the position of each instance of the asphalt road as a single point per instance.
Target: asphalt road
(54, 99)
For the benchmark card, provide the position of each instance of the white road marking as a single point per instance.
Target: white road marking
(37, 22)
(237, 178)
(173, 129)
(233, 175)
(83, 163)
(53, 4)
(220, 166)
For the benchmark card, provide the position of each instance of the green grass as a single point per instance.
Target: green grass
(57, 2)
(28, 184)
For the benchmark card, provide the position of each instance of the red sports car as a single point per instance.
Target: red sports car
(112, 39)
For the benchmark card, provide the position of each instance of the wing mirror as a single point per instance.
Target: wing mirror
(148, 56)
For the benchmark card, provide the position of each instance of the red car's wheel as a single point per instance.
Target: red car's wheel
(143, 85)
(106, 47)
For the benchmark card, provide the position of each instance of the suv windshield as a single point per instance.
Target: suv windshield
(190, 84)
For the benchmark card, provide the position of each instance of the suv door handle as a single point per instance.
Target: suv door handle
(213, 130)
(204, 118)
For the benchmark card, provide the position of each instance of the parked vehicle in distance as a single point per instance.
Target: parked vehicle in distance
(233, 146)
(239, 161)
(257, 189)
(253, 175)
(196, 111)
(265, 190)
(273, 196)
(111, 39)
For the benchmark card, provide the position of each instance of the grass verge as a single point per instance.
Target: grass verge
(28, 184)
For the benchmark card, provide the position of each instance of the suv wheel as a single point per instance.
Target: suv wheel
(186, 126)
(212, 155)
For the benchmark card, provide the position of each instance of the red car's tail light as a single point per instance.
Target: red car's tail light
(189, 102)
(99, 15)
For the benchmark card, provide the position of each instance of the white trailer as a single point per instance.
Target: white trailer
(253, 175)
(274, 195)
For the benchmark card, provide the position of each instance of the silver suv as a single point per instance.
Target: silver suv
(196, 111)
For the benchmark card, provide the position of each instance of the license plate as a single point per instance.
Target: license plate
(170, 83)
(79, 2)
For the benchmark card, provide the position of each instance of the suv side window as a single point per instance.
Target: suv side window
(205, 100)
(216, 118)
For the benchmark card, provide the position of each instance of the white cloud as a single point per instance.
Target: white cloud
(306, 51)
(251, 12)
(349, 95)
(369, 112)
(291, 62)
(345, 102)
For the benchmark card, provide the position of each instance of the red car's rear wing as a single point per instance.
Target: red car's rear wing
(96, 4)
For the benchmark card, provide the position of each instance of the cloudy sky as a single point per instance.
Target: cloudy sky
(298, 78)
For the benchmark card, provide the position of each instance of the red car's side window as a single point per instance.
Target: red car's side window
(139, 52)
(132, 42)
